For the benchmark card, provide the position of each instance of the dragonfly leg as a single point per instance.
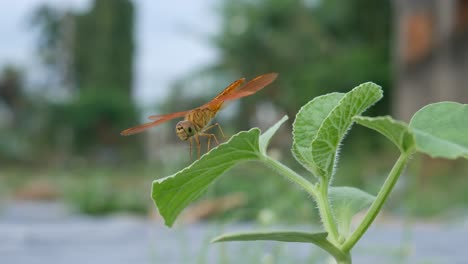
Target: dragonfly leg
(197, 140)
(219, 127)
(190, 149)
(209, 136)
(216, 140)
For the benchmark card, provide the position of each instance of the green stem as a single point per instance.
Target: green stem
(326, 214)
(346, 259)
(378, 203)
(320, 195)
(290, 174)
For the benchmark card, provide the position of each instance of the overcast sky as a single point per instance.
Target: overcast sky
(165, 49)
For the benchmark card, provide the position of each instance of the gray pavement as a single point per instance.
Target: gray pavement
(46, 233)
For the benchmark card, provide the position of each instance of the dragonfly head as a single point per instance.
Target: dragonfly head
(185, 129)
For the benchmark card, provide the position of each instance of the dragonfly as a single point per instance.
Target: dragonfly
(197, 121)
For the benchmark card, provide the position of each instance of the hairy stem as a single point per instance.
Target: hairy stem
(378, 203)
(291, 175)
(326, 214)
(321, 196)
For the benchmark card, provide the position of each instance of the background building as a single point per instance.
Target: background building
(431, 53)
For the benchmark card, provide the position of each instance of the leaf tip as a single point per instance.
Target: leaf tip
(169, 223)
(215, 240)
(374, 86)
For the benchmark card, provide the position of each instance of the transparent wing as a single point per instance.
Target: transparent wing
(158, 119)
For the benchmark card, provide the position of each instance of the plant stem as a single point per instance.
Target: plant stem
(291, 175)
(321, 196)
(346, 260)
(326, 214)
(378, 203)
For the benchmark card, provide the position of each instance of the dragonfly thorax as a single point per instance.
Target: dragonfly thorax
(185, 129)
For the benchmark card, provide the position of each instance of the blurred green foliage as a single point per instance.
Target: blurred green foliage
(21, 119)
(91, 55)
(104, 190)
(95, 120)
(101, 190)
(274, 199)
(104, 47)
(12, 107)
(434, 188)
(88, 50)
(98, 190)
(316, 46)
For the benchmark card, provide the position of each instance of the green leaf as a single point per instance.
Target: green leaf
(346, 202)
(319, 239)
(396, 131)
(441, 130)
(306, 125)
(173, 193)
(336, 124)
(267, 135)
(283, 236)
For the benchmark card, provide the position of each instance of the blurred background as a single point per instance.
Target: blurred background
(74, 73)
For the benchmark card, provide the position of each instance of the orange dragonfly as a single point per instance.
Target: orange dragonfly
(196, 121)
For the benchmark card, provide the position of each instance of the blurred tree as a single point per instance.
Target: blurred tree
(11, 93)
(91, 53)
(16, 133)
(91, 49)
(103, 50)
(316, 46)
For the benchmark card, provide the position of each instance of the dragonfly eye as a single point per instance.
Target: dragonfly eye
(190, 130)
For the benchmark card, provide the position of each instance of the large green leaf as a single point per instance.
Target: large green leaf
(336, 124)
(441, 130)
(346, 202)
(305, 127)
(319, 239)
(395, 131)
(266, 136)
(173, 193)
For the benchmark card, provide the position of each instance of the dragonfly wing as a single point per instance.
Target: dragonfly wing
(231, 88)
(158, 119)
(170, 116)
(216, 103)
(250, 88)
